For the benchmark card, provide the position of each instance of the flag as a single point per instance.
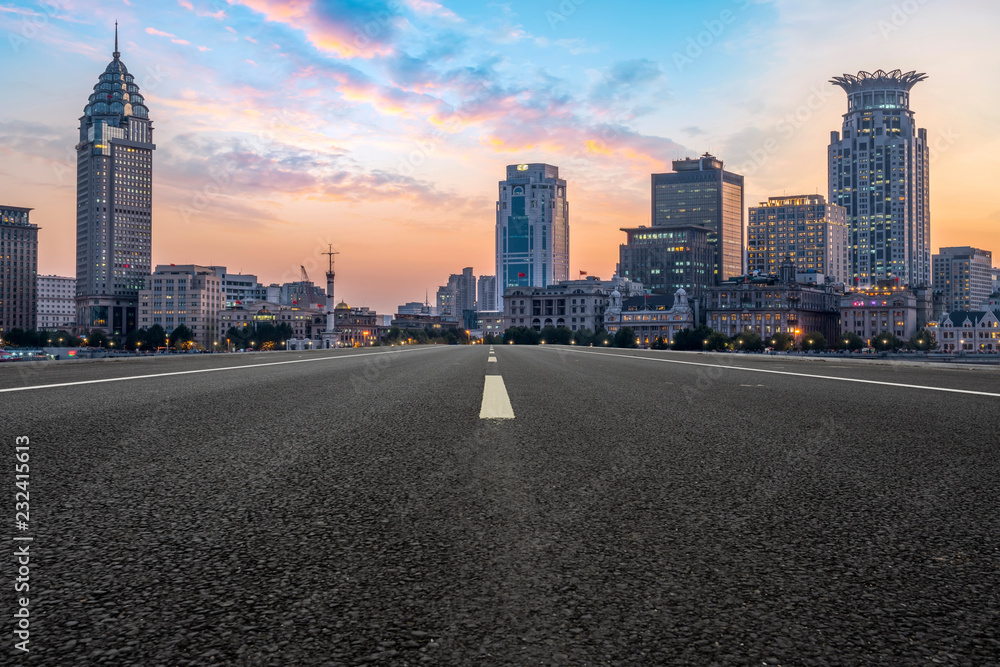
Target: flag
(239, 303)
(583, 273)
(522, 275)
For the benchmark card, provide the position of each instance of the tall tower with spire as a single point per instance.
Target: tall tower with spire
(879, 171)
(114, 203)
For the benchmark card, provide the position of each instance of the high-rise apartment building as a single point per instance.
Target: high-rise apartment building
(878, 171)
(458, 295)
(665, 260)
(964, 276)
(486, 294)
(185, 294)
(19, 264)
(804, 227)
(701, 193)
(532, 232)
(114, 202)
(56, 303)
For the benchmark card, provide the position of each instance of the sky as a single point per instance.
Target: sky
(383, 126)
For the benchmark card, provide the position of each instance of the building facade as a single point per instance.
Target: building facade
(804, 227)
(18, 277)
(114, 211)
(532, 230)
(878, 171)
(486, 293)
(969, 331)
(964, 276)
(767, 306)
(186, 294)
(307, 324)
(885, 308)
(56, 303)
(651, 317)
(665, 260)
(574, 304)
(701, 193)
(240, 288)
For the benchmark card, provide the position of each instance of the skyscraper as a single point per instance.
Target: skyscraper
(699, 192)
(532, 233)
(878, 171)
(486, 294)
(18, 279)
(964, 276)
(804, 227)
(114, 202)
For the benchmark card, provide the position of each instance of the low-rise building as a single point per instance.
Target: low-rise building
(969, 331)
(574, 304)
(886, 308)
(768, 305)
(651, 317)
(358, 327)
(187, 294)
(56, 303)
(305, 323)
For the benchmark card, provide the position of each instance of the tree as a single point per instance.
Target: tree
(782, 341)
(556, 335)
(97, 338)
(659, 344)
(923, 341)
(849, 341)
(133, 341)
(394, 334)
(814, 341)
(692, 339)
(886, 342)
(601, 337)
(155, 337)
(625, 338)
(716, 341)
(748, 341)
(583, 336)
(181, 335)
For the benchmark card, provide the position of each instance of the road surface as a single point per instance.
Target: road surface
(533, 505)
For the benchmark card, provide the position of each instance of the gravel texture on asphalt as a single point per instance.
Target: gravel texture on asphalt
(356, 510)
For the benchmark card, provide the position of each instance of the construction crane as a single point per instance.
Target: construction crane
(305, 276)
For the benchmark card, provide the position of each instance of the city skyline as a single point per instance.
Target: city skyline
(367, 120)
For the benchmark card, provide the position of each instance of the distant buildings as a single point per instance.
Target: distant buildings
(767, 305)
(186, 294)
(415, 308)
(701, 193)
(665, 260)
(458, 295)
(532, 229)
(651, 317)
(879, 172)
(813, 233)
(970, 331)
(114, 202)
(56, 303)
(885, 308)
(306, 323)
(486, 294)
(18, 279)
(574, 304)
(964, 276)
(240, 288)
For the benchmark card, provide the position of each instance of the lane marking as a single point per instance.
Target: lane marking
(496, 403)
(202, 370)
(493, 360)
(804, 375)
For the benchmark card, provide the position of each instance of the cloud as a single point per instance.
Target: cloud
(173, 38)
(693, 131)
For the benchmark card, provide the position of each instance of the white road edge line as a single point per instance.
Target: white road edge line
(201, 370)
(804, 375)
(496, 403)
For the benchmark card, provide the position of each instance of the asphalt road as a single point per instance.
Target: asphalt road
(640, 508)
